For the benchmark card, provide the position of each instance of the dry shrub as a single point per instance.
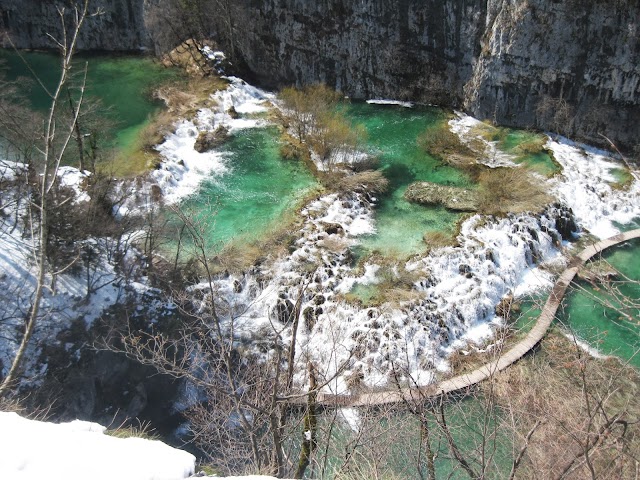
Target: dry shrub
(533, 146)
(510, 190)
(575, 397)
(237, 258)
(292, 149)
(11, 405)
(370, 181)
(303, 108)
(443, 144)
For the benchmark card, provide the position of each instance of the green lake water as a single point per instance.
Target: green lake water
(256, 194)
(393, 132)
(602, 327)
(122, 83)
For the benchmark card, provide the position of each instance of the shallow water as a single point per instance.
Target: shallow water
(255, 194)
(600, 326)
(540, 162)
(393, 132)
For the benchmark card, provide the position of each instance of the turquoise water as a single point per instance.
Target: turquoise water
(392, 443)
(245, 203)
(538, 161)
(392, 136)
(585, 310)
(122, 84)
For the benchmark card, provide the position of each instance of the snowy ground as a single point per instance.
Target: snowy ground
(65, 299)
(34, 450)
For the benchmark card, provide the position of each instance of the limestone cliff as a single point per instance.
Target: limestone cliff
(565, 65)
(120, 26)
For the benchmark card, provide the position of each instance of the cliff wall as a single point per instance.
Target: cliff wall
(120, 27)
(570, 66)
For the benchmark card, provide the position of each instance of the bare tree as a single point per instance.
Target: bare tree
(46, 162)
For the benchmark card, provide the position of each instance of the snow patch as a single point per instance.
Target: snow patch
(33, 450)
(383, 101)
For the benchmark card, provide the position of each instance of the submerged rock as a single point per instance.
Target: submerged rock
(453, 198)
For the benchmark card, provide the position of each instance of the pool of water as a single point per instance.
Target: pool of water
(255, 194)
(392, 136)
(586, 313)
(122, 83)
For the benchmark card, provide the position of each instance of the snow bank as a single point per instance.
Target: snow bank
(33, 450)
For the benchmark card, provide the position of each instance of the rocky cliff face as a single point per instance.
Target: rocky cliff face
(120, 27)
(406, 49)
(568, 66)
(571, 66)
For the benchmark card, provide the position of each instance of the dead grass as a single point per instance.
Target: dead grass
(141, 429)
(185, 97)
(372, 181)
(439, 239)
(440, 142)
(510, 190)
(532, 147)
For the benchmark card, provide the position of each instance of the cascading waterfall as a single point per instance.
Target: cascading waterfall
(453, 297)
(456, 295)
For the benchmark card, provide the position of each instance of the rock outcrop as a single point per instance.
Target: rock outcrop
(569, 66)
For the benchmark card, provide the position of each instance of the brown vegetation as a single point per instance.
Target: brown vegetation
(510, 190)
(372, 181)
(453, 198)
(438, 239)
(312, 117)
(440, 142)
(585, 412)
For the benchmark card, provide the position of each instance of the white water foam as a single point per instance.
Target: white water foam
(585, 187)
(183, 168)
(491, 156)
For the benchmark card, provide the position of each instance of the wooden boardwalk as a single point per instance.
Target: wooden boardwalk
(507, 358)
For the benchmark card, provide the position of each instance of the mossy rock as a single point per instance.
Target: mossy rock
(453, 198)
(207, 141)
